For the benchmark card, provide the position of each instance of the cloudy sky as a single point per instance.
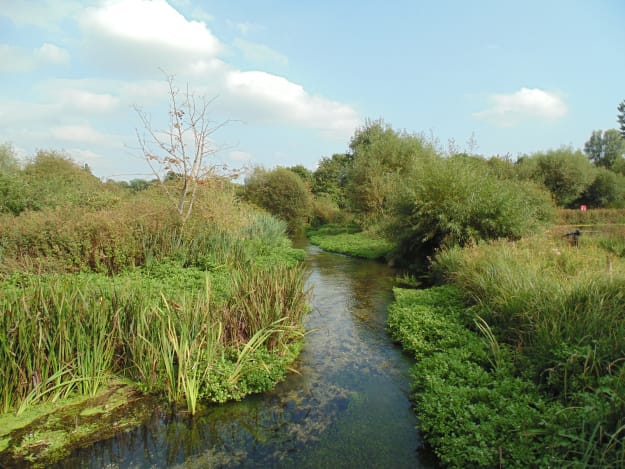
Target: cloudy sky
(296, 78)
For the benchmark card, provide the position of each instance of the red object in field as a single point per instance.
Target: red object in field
(583, 208)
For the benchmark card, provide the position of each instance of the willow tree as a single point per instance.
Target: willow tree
(179, 155)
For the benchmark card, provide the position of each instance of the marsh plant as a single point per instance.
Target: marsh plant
(73, 332)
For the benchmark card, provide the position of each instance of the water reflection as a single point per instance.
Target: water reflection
(347, 407)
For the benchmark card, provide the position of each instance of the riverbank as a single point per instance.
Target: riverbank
(520, 360)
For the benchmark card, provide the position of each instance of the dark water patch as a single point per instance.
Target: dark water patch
(347, 406)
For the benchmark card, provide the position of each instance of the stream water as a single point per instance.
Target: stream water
(347, 407)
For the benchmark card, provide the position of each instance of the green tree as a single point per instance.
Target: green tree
(381, 158)
(605, 148)
(458, 201)
(606, 191)
(565, 172)
(303, 172)
(621, 118)
(12, 193)
(282, 193)
(330, 178)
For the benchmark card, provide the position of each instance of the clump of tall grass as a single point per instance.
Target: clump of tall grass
(60, 334)
(561, 309)
(56, 335)
(263, 297)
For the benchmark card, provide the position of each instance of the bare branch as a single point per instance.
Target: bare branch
(183, 147)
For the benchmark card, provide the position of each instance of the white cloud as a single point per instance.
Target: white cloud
(127, 41)
(49, 53)
(277, 99)
(82, 133)
(525, 104)
(260, 53)
(18, 59)
(44, 14)
(138, 34)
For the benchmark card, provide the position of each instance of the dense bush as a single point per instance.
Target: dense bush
(211, 307)
(282, 193)
(457, 201)
(382, 157)
(565, 172)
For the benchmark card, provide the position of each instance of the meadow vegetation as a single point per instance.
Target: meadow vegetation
(103, 282)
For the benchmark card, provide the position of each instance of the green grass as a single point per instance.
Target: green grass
(344, 240)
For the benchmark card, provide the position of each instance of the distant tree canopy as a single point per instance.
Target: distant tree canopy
(565, 172)
(331, 177)
(605, 148)
(607, 190)
(282, 193)
(382, 157)
(303, 172)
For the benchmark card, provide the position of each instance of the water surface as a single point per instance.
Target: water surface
(347, 406)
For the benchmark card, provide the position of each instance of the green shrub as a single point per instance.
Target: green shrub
(282, 193)
(457, 201)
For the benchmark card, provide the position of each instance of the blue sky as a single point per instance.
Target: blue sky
(297, 78)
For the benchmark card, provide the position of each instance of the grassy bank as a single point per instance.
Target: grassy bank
(522, 361)
(201, 312)
(351, 241)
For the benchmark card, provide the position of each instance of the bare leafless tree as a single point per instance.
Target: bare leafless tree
(181, 151)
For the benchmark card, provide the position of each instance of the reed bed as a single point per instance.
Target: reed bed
(61, 334)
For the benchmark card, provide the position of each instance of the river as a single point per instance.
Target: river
(347, 405)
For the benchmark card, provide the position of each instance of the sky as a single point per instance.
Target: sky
(293, 80)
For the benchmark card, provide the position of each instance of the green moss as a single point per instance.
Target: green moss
(47, 432)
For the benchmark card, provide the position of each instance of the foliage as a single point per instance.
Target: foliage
(282, 193)
(382, 157)
(475, 402)
(457, 201)
(565, 172)
(90, 327)
(325, 210)
(127, 290)
(607, 190)
(560, 309)
(331, 178)
(605, 148)
(302, 172)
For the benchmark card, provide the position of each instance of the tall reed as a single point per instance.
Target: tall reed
(263, 296)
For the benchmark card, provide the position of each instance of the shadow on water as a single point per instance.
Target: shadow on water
(347, 407)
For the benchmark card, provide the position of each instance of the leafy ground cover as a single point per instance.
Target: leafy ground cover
(520, 361)
(347, 240)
